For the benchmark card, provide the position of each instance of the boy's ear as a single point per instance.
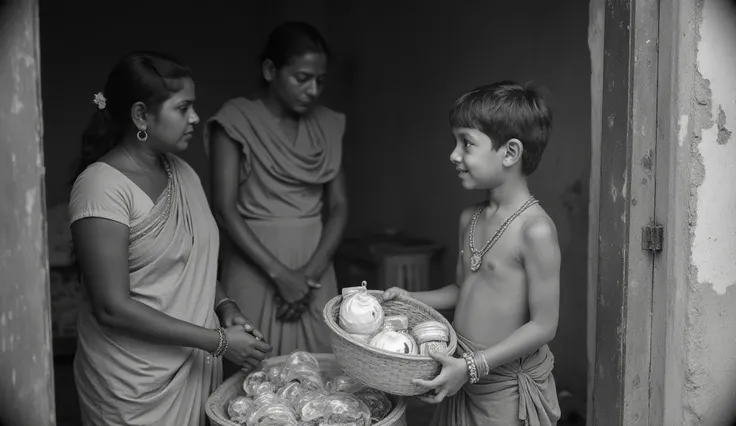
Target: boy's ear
(514, 148)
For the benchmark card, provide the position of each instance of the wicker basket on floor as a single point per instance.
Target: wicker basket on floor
(216, 407)
(387, 371)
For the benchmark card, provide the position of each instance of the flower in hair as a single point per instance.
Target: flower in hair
(100, 100)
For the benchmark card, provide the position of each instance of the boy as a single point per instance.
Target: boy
(507, 295)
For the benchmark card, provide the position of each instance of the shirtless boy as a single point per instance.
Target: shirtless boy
(506, 294)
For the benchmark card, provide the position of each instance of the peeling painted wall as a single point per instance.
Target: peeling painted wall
(26, 374)
(710, 328)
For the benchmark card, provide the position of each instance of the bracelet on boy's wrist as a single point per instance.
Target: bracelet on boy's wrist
(481, 364)
(472, 368)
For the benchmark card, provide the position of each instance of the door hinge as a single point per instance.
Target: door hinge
(652, 237)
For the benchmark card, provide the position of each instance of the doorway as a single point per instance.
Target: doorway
(412, 66)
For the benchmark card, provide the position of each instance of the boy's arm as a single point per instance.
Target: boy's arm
(446, 297)
(540, 253)
(440, 299)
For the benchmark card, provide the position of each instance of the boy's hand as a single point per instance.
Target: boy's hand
(395, 291)
(453, 376)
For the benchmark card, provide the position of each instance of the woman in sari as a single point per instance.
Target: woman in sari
(157, 323)
(275, 158)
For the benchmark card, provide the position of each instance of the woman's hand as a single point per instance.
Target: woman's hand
(244, 349)
(314, 269)
(230, 315)
(295, 294)
(293, 285)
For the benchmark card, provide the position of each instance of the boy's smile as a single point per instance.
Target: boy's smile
(475, 160)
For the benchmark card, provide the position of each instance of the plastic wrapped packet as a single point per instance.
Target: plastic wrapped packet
(275, 377)
(337, 408)
(360, 312)
(264, 399)
(343, 383)
(307, 398)
(395, 337)
(252, 381)
(300, 359)
(378, 403)
(292, 392)
(265, 387)
(239, 420)
(238, 406)
(309, 378)
(275, 414)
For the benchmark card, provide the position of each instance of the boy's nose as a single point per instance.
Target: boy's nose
(454, 157)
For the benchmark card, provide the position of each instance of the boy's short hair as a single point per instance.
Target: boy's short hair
(507, 110)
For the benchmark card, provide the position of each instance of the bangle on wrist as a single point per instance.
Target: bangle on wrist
(223, 343)
(222, 302)
(472, 368)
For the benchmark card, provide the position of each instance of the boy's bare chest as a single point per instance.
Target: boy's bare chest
(487, 251)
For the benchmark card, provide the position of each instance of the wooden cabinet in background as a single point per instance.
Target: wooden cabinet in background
(385, 261)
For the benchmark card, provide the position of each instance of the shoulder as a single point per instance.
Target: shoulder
(233, 108)
(538, 230)
(101, 178)
(101, 191)
(236, 103)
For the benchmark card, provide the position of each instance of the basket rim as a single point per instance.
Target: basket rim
(335, 328)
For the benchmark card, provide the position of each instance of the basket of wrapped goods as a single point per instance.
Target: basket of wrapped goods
(302, 389)
(386, 344)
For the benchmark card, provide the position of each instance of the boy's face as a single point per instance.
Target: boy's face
(479, 166)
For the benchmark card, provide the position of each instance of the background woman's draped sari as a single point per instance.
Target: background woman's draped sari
(173, 250)
(280, 197)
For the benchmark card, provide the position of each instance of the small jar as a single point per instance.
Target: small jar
(431, 336)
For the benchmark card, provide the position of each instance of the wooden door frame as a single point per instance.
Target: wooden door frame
(623, 185)
(636, 375)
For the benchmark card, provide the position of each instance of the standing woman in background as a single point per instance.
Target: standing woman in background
(275, 160)
(150, 339)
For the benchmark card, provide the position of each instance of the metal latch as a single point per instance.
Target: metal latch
(652, 237)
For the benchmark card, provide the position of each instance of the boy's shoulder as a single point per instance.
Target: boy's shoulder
(538, 227)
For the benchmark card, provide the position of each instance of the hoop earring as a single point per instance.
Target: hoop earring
(142, 138)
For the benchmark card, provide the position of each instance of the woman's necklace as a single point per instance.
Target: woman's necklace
(477, 255)
(131, 159)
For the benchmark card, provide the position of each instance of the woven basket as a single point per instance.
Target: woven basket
(216, 408)
(387, 371)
